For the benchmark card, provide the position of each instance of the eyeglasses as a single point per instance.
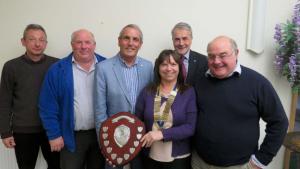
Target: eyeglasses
(221, 56)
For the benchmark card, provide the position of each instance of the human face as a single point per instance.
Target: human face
(222, 58)
(35, 42)
(130, 42)
(182, 41)
(83, 45)
(169, 70)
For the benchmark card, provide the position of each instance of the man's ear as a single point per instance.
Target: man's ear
(23, 41)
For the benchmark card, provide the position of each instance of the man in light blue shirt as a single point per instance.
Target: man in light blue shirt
(119, 80)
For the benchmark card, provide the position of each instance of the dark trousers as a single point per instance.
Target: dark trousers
(27, 149)
(87, 154)
(182, 163)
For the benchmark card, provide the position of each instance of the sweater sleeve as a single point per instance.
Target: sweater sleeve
(272, 112)
(187, 127)
(6, 99)
(48, 104)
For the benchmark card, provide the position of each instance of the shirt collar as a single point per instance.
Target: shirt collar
(92, 68)
(237, 70)
(187, 55)
(124, 63)
(74, 61)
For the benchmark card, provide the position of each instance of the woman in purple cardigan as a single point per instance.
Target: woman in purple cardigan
(168, 109)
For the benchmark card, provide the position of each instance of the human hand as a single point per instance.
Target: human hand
(9, 142)
(151, 137)
(56, 144)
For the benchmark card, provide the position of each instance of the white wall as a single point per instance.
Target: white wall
(208, 18)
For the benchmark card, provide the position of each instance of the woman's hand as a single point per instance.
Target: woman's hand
(151, 137)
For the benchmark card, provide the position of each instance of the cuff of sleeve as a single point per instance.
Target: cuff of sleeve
(164, 135)
(256, 162)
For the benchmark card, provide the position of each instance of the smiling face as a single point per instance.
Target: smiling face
(222, 57)
(129, 42)
(169, 70)
(83, 45)
(182, 40)
(35, 42)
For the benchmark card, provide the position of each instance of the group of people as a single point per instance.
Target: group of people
(197, 109)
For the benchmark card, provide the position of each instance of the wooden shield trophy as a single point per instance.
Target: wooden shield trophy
(120, 137)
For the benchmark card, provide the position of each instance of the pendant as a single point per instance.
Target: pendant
(160, 123)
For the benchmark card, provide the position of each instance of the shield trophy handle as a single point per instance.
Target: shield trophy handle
(131, 120)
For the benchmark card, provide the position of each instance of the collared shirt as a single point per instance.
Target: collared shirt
(256, 162)
(237, 70)
(83, 96)
(130, 74)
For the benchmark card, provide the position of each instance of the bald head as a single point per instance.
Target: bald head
(223, 40)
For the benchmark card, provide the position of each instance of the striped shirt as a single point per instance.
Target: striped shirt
(130, 74)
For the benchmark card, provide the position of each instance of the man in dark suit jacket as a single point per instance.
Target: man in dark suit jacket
(194, 63)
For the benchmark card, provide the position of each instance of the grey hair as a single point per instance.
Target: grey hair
(233, 45)
(184, 26)
(133, 26)
(33, 27)
(73, 36)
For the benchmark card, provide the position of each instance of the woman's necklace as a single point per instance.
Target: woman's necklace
(160, 119)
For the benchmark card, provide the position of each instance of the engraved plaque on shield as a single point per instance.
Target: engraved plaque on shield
(120, 137)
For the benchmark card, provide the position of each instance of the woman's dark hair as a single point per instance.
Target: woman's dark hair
(166, 55)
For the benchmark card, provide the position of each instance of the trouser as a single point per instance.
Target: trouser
(27, 149)
(199, 163)
(87, 154)
(181, 163)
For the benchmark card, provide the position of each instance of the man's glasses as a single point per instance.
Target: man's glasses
(221, 56)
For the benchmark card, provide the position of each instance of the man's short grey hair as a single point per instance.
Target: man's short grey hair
(133, 26)
(233, 45)
(33, 27)
(73, 36)
(184, 26)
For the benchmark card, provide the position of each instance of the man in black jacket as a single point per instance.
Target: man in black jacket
(193, 63)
